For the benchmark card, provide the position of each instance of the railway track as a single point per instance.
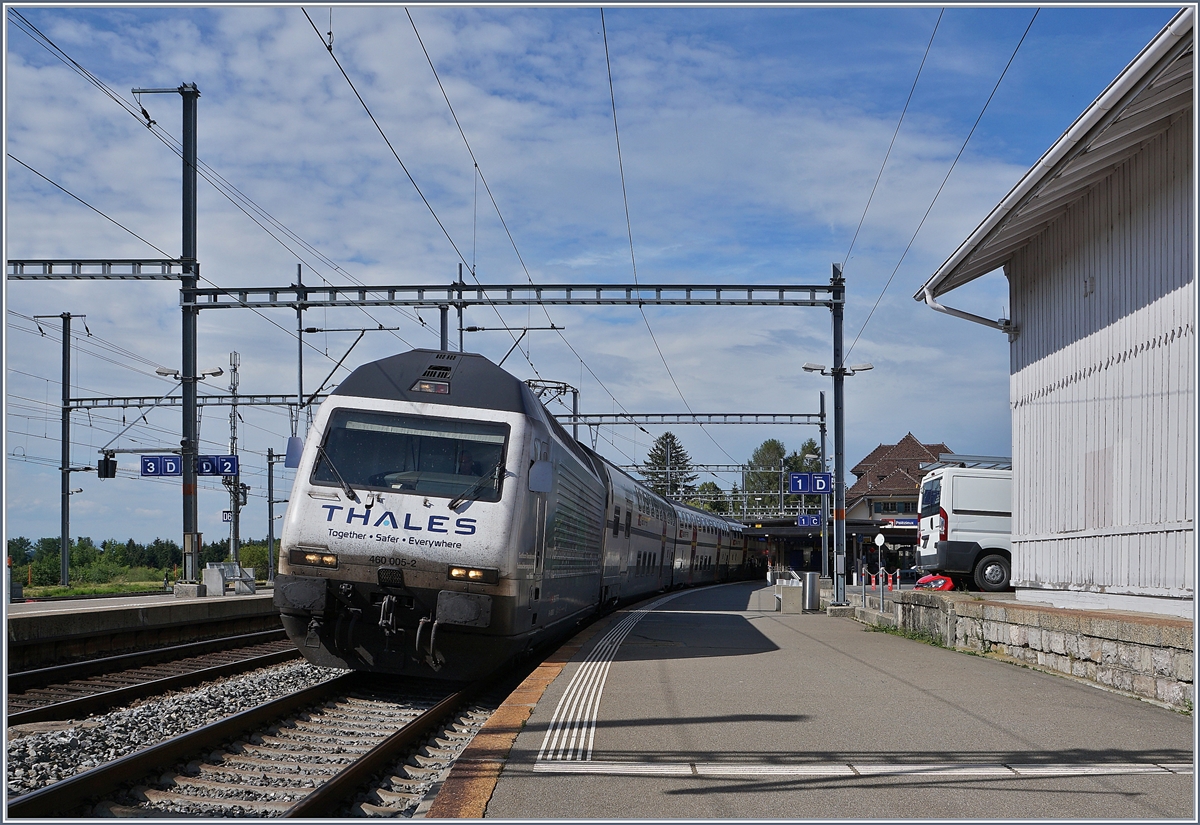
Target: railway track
(83, 688)
(352, 745)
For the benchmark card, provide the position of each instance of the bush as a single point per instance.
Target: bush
(255, 555)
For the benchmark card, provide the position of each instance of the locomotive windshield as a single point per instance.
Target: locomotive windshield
(440, 457)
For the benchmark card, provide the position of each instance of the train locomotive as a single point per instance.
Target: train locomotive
(442, 522)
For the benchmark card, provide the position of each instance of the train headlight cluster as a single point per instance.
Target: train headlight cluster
(439, 387)
(474, 574)
(313, 558)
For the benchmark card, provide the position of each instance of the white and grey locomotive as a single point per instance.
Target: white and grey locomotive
(442, 521)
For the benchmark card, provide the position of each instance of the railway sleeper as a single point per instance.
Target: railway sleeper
(300, 747)
(366, 809)
(254, 772)
(230, 765)
(413, 773)
(155, 797)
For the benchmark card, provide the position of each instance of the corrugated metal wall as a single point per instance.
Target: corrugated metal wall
(1103, 384)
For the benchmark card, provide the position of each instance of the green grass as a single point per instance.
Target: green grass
(90, 589)
(916, 636)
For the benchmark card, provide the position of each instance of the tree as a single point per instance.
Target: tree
(762, 474)
(763, 469)
(668, 467)
(713, 498)
(20, 549)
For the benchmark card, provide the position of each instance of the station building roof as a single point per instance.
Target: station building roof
(1141, 103)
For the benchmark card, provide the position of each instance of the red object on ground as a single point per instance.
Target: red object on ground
(935, 581)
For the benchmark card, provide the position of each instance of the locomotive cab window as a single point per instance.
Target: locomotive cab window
(440, 457)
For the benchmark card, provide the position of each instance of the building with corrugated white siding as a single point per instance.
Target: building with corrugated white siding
(1097, 242)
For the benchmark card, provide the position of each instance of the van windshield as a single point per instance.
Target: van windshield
(931, 497)
(440, 457)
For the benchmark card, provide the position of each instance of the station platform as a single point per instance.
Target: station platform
(708, 703)
(49, 632)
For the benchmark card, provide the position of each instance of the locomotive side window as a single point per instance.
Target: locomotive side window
(617, 521)
(440, 457)
(628, 519)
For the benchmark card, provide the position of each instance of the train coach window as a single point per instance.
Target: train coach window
(617, 521)
(440, 457)
(628, 520)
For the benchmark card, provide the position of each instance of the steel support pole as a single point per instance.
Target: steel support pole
(575, 413)
(824, 503)
(64, 546)
(300, 296)
(445, 310)
(460, 309)
(838, 285)
(191, 519)
(270, 516)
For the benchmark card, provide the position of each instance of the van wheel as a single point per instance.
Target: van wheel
(991, 573)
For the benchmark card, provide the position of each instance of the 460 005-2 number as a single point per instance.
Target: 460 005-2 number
(392, 561)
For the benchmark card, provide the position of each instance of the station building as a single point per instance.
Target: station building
(1097, 243)
(884, 500)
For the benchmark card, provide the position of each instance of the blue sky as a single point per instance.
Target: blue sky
(751, 139)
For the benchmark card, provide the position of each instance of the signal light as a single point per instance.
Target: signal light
(106, 467)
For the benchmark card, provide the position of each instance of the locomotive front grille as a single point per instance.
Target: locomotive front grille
(391, 577)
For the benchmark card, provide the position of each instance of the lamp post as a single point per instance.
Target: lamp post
(838, 372)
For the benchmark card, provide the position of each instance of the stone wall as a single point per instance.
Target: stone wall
(1147, 655)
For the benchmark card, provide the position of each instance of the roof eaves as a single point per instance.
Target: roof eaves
(1155, 57)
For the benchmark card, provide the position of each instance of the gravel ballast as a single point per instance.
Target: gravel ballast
(37, 759)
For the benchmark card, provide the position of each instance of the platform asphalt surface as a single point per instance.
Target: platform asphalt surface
(715, 706)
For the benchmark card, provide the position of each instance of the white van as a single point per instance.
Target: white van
(966, 525)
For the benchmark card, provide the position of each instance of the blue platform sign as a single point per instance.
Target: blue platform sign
(820, 484)
(161, 465)
(216, 465)
(808, 521)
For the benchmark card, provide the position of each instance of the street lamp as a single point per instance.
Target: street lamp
(824, 370)
(167, 372)
(838, 372)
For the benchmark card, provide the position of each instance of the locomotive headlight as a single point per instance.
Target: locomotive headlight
(313, 558)
(439, 387)
(474, 574)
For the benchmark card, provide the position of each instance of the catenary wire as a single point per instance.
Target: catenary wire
(892, 143)
(239, 200)
(629, 230)
(499, 214)
(946, 178)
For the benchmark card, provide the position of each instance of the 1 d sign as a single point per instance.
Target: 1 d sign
(820, 484)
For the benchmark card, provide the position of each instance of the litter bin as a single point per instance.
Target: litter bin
(812, 591)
